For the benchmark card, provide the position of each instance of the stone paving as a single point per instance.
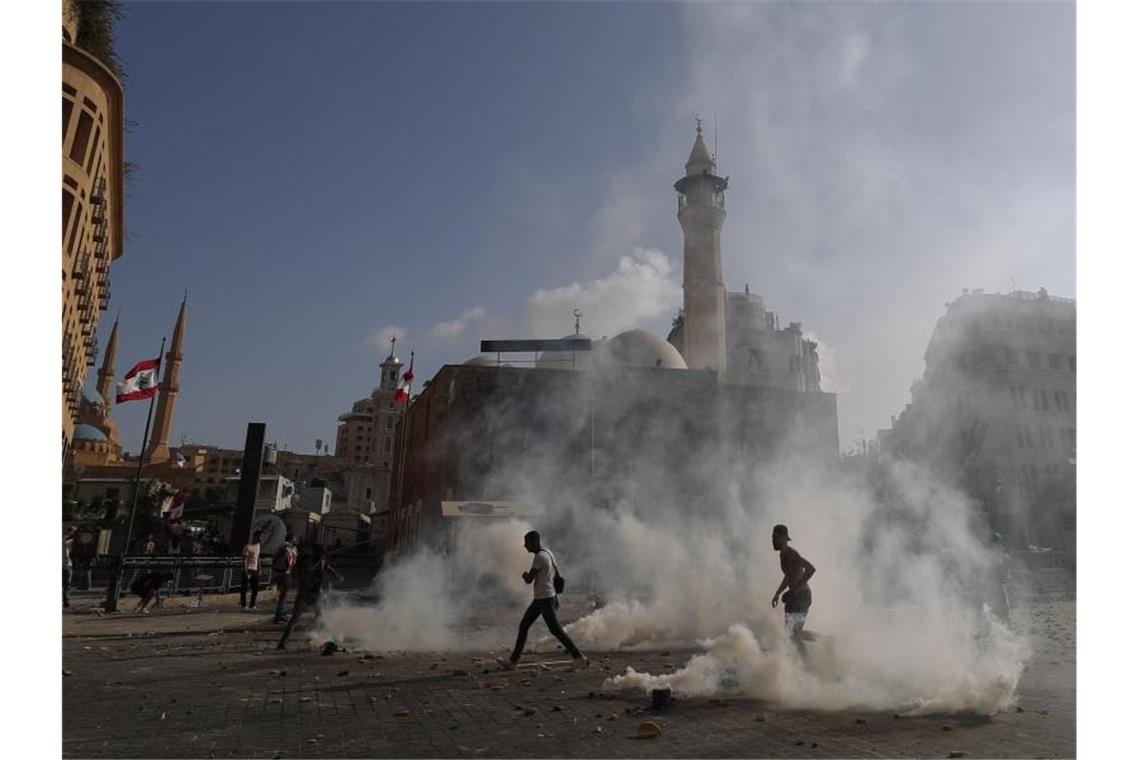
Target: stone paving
(209, 683)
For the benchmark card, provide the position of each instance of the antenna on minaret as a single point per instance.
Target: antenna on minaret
(698, 118)
(392, 340)
(577, 321)
(185, 294)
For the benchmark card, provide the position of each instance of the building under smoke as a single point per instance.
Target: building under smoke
(636, 432)
(995, 411)
(636, 419)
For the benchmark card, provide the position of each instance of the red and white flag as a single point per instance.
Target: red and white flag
(175, 513)
(404, 392)
(140, 382)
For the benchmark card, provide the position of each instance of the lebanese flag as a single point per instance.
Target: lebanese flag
(404, 392)
(175, 513)
(140, 382)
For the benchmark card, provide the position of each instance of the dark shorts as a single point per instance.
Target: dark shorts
(798, 603)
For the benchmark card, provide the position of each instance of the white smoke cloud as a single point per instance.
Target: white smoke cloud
(426, 599)
(897, 610)
(830, 380)
(452, 329)
(642, 292)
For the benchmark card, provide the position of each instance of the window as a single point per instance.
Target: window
(1034, 358)
(1011, 357)
(388, 423)
(68, 203)
(1061, 400)
(1045, 438)
(82, 135)
(67, 106)
(1073, 363)
(388, 445)
(1040, 400)
(368, 493)
(1055, 361)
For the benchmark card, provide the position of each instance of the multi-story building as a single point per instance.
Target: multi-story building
(365, 437)
(995, 410)
(92, 206)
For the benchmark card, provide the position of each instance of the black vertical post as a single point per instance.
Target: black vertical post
(248, 485)
(111, 603)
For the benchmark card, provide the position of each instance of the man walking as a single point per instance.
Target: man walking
(68, 542)
(542, 574)
(283, 561)
(797, 598)
(312, 566)
(251, 569)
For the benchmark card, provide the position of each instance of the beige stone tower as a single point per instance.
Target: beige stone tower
(168, 393)
(105, 386)
(700, 209)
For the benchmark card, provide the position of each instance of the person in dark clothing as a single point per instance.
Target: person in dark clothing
(311, 568)
(284, 560)
(149, 588)
(797, 598)
(542, 573)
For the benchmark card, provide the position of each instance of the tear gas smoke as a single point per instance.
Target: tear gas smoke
(428, 600)
(899, 562)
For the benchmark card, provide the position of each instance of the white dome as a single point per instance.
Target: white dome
(638, 348)
(482, 360)
(564, 359)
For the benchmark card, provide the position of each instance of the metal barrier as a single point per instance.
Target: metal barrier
(216, 575)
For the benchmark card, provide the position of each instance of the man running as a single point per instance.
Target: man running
(542, 573)
(797, 572)
(283, 561)
(311, 568)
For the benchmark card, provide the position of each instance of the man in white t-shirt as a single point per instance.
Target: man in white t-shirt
(541, 574)
(251, 569)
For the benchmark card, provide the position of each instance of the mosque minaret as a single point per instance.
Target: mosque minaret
(700, 210)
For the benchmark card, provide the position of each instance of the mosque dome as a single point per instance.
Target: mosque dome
(638, 348)
(89, 433)
(92, 397)
(564, 359)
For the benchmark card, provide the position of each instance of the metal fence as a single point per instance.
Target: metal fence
(192, 574)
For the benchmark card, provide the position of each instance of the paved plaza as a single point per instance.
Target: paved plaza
(209, 682)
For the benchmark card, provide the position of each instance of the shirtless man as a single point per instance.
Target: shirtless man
(797, 572)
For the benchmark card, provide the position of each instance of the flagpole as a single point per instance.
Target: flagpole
(404, 446)
(113, 593)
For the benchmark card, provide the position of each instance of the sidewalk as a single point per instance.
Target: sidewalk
(210, 683)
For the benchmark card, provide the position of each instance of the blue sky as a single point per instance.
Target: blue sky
(320, 174)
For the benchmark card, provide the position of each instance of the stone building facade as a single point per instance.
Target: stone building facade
(365, 438)
(92, 206)
(638, 432)
(995, 411)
